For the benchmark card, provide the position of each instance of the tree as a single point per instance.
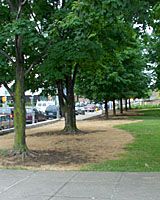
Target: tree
(146, 15)
(77, 30)
(65, 57)
(22, 48)
(153, 46)
(120, 71)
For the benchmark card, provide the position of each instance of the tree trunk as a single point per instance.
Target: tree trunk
(67, 105)
(126, 108)
(19, 99)
(61, 98)
(121, 106)
(106, 110)
(19, 112)
(130, 107)
(70, 118)
(114, 108)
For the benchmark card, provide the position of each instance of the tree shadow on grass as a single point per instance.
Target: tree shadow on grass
(124, 116)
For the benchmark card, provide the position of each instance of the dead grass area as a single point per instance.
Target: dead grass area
(98, 141)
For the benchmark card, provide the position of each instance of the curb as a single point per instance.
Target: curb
(29, 126)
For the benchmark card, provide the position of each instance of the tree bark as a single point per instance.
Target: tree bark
(130, 107)
(19, 113)
(61, 98)
(121, 106)
(126, 108)
(106, 110)
(70, 118)
(114, 108)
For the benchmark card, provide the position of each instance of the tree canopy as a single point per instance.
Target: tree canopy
(50, 43)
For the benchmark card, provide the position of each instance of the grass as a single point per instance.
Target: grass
(152, 114)
(146, 106)
(14, 168)
(143, 155)
(3, 150)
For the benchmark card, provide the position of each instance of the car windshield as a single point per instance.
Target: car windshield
(4, 118)
(29, 110)
(5, 110)
(51, 107)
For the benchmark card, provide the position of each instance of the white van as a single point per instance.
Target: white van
(42, 105)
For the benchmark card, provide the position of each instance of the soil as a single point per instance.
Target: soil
(98, 141)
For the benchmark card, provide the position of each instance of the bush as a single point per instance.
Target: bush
(9, 104)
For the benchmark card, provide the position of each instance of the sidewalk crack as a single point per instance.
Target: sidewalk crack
(116, 185)
(62, 186)
(17, 182)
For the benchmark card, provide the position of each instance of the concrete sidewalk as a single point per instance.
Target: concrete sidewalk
(53, 185)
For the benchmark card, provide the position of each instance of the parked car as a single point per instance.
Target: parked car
(98, 106)
(51, 112)
(9, 111)
(80, 110)
(76, 112)
(5, 122)
(39, 116)
(90, 108)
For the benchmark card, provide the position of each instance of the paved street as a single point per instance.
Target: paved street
(53, 185)
(88, 115)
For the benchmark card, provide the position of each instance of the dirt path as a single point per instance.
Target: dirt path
(99, 142)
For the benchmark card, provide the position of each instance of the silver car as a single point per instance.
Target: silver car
(5, 122)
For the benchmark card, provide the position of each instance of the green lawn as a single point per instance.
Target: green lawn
(146, 106)
(144, 153)
(153, 114)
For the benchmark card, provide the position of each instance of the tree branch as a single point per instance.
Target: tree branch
(20, 8)
(9, 89)
(38, 58)
(20, 4)
(11, 6)
(19, 11)
(7, 56)
(24, 2)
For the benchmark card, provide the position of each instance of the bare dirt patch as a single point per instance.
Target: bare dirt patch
(98, 141)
